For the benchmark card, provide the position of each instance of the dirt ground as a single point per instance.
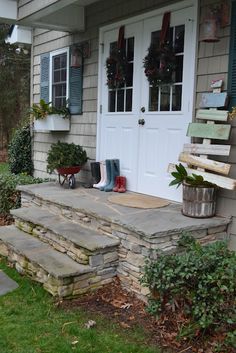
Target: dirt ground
(5, 220)
(125, 309)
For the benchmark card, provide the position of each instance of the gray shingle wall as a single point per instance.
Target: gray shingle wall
(212, 63)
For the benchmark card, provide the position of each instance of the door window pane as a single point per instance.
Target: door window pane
(129, 98)
(153, 99)
(112, 101)
(176, 97)
(165, 98)
(179, 39)
(178, 74)
(120, 100)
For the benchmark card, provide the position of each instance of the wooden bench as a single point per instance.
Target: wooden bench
(195, 155)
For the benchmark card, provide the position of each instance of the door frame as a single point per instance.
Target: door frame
(149, 14)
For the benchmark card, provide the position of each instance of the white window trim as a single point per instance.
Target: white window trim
(52, 54)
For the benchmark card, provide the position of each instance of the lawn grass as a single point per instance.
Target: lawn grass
(4, 168)
(30, 322)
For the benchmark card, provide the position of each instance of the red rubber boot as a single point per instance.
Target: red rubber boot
(117, 184)
(122, 186)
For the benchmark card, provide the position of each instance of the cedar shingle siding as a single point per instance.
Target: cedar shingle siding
(212, 63)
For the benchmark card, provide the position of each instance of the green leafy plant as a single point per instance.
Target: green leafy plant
(43, 109)
(201, 281)
(62, 154)
(181, 176)
(19, 151)
(10, 197)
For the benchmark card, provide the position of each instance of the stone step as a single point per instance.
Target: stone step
(83, 245)
(59, 274)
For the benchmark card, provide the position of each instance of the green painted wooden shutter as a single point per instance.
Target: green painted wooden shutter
(76, 90)
(232, 59)
(44, 77)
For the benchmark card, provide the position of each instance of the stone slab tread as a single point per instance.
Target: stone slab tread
(53, 262)
(80, 236)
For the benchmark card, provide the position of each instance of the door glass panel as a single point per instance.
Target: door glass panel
(130, 49)
(179, 39)
(178, 74)
(176, 97)
(153, 98)
(112, 101)
(168, 97)
(165, 98)
(121, 99)
(129, 98)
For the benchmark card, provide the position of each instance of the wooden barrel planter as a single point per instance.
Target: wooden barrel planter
(199, 201)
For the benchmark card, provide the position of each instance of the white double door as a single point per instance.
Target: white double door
(145, 127)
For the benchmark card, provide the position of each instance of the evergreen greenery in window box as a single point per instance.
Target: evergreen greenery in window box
(63, 155)
(199, 195)
(49, 118)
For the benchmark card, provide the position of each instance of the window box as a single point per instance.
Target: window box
(53, 122)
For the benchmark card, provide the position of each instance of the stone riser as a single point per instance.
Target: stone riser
(65, 287)
(100, 259)
(134, 249)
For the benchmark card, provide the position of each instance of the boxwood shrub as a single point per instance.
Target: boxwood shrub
(201, 281)
(19, 151)
(10, 197)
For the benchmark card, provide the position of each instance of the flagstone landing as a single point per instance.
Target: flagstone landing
(79, 241)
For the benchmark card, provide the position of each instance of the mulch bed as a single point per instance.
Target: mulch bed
(5, 220)
(125, 309)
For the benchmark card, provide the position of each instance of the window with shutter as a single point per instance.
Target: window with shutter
(232, 59)
(59, 81)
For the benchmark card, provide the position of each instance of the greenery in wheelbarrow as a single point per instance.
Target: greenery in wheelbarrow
(63, 154)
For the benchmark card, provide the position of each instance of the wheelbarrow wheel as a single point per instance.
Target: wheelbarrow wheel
(72, 182)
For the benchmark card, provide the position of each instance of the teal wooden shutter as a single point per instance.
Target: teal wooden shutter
(232, 59)
(76, 90)
(44, 77)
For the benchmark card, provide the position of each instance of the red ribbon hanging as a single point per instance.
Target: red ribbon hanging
(165, 27)
(121, 38)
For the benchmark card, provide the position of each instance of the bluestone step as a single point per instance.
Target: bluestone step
(65, 236)
(59, 274)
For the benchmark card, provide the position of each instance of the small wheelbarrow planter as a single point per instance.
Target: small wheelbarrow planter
(67, 174)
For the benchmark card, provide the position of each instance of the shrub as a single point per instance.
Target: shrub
(62, 154)
(10, 197)
(200, 280)
(19, 151)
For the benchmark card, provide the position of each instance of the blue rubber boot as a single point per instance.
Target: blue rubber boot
(115, 171)
(108, 174)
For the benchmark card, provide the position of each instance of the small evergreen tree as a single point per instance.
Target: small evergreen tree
(14, 84)
(19, 151)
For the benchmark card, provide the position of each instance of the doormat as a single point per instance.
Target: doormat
(138, 201)
(6, 284)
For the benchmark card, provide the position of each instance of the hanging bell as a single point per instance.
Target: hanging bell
(210, 29)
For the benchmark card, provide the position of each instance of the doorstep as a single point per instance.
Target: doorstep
(141, 233)
(147, 223)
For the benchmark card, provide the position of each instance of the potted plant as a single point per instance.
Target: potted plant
(199, 195)
(67, 159)
(49, 118)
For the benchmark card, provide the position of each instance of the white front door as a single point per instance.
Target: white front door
(146, 150)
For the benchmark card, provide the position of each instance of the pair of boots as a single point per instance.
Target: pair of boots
(120, 184)
(109, 170)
